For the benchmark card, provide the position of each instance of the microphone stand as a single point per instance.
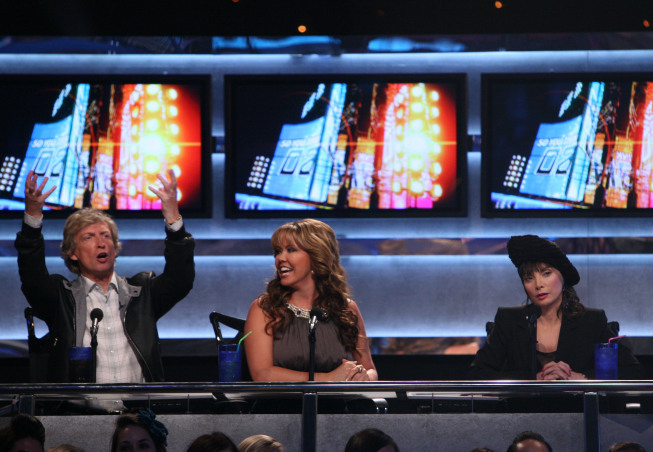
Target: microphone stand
(314, 317)
(533, 312)
(309, 401)
(532, 328)
(93, 354)
(311, 345)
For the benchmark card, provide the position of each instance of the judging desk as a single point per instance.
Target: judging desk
(310, 416)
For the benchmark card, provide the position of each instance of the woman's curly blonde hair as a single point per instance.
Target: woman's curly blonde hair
(319, 241)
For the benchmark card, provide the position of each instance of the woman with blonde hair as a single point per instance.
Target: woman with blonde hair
(260, 443)
(65, 448)
(308, 275)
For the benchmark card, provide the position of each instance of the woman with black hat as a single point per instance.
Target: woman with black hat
(552, 337)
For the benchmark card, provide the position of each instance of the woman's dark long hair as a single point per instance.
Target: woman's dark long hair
(571, 306)
(319, 241)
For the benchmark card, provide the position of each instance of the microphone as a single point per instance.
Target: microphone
(533, 312)
(316, 315)
(96, 316)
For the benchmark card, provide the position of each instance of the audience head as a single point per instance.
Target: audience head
(371, 440)
(529, 441)
(260, 443)
(137, 430)
(213, 442)
(23, 433)
(481, 449)
(65, 448)
(629, 446)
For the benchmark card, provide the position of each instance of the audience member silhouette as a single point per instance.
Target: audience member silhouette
(24, 433)
(629, 446)
(529, 441)
(139, 431)
(65, 448)
(213, 442)
(371, 440)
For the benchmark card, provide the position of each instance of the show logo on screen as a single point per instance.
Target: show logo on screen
(565, 143)
(343, 146)
(103, 143)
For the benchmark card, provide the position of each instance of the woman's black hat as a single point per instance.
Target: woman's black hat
(531, 248)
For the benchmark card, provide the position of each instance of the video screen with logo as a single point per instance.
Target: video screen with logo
(567, 144)
(102, 141)
(345, 145)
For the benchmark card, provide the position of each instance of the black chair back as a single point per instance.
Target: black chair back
(489, 326)
(235, 323)
(39, 351)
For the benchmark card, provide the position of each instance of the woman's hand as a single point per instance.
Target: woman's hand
(558, 371)
(344, 371)
(359, 373)
(577, 376)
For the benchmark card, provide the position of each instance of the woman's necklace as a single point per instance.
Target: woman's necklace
(299, 312)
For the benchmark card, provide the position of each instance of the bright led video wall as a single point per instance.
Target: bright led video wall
(102, 141)
(346, 145)
(567, 144)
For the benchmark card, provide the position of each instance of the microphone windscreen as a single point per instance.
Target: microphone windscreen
(317, 312)
(533, 311)
(97, 314)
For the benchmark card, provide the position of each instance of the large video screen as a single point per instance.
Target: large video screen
(345, 145)
(102, 140)
(567, 144)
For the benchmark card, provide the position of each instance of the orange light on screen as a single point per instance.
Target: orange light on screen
(436, 191)
(152, 166)
(152, 89)
(435, 170)
(416, 163)
(302, 28)
(416, 188)
(498, 5)
(419, 166)
(152, 125)
(153, 106)
(165, 133)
